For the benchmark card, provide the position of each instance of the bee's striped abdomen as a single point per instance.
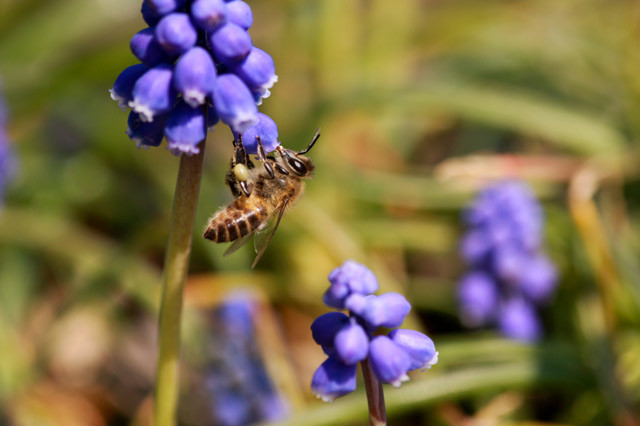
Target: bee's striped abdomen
(235, 221)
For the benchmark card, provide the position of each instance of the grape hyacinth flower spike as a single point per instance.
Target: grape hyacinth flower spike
(197, 52)
(509, 275)
(198, 67)
(7, 159)
(351, 339)
(236, 377)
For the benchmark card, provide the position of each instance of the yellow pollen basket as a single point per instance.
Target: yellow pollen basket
(241, 172)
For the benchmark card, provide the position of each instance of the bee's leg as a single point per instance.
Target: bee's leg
(262, 156)
(237, 176)
(245, 189)
(240, 154)
(232, 183)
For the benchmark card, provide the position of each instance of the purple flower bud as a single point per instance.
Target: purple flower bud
(389, 362)
(236, 314)
(175, 33)
(418, 345)
(351, 343)
(153, 92)
(185, 128)
(145, 134)
(478, 299)
(7, 160)
(335, 296)
(163, 7)
(230, 43)
(357, 303)
(386, 310)
(240, 13)
(395, 308)
(209, 14)
(333, 379)
(234, 103)
(509, 263)
(475, 246)
(257, 70)
(266, 129)
(7, 163)
(231, 408)
(195, 76)
(123, 85)
(259, 95)
(326, 326)
(517, 319)
(272, 408)
(539, 279)
(149, 15)
(146, 48)
(480, 210)
(351, 277)
(500, 232)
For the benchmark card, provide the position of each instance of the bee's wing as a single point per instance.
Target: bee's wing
(238, 243)
(265, 233)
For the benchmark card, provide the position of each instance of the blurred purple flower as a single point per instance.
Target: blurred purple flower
(539, 283)
(235, 375)
(518, 320)
(7, 159)
(503, 247)
(478, 299)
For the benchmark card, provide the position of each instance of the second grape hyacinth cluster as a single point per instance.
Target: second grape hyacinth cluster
(510, 274)
(7, 159)
(198, 66)
(350, 339)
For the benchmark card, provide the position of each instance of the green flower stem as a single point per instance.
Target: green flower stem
(375, 396)
(176, 266)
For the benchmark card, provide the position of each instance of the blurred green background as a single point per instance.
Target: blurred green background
(420, 104)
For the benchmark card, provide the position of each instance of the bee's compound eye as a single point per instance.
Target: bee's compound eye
(241, 172)
(298, 166)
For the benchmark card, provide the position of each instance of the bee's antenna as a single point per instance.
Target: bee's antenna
(313, 141)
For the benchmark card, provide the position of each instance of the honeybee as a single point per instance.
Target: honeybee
(263, 194)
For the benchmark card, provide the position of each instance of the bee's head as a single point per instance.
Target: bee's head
(296, 162)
